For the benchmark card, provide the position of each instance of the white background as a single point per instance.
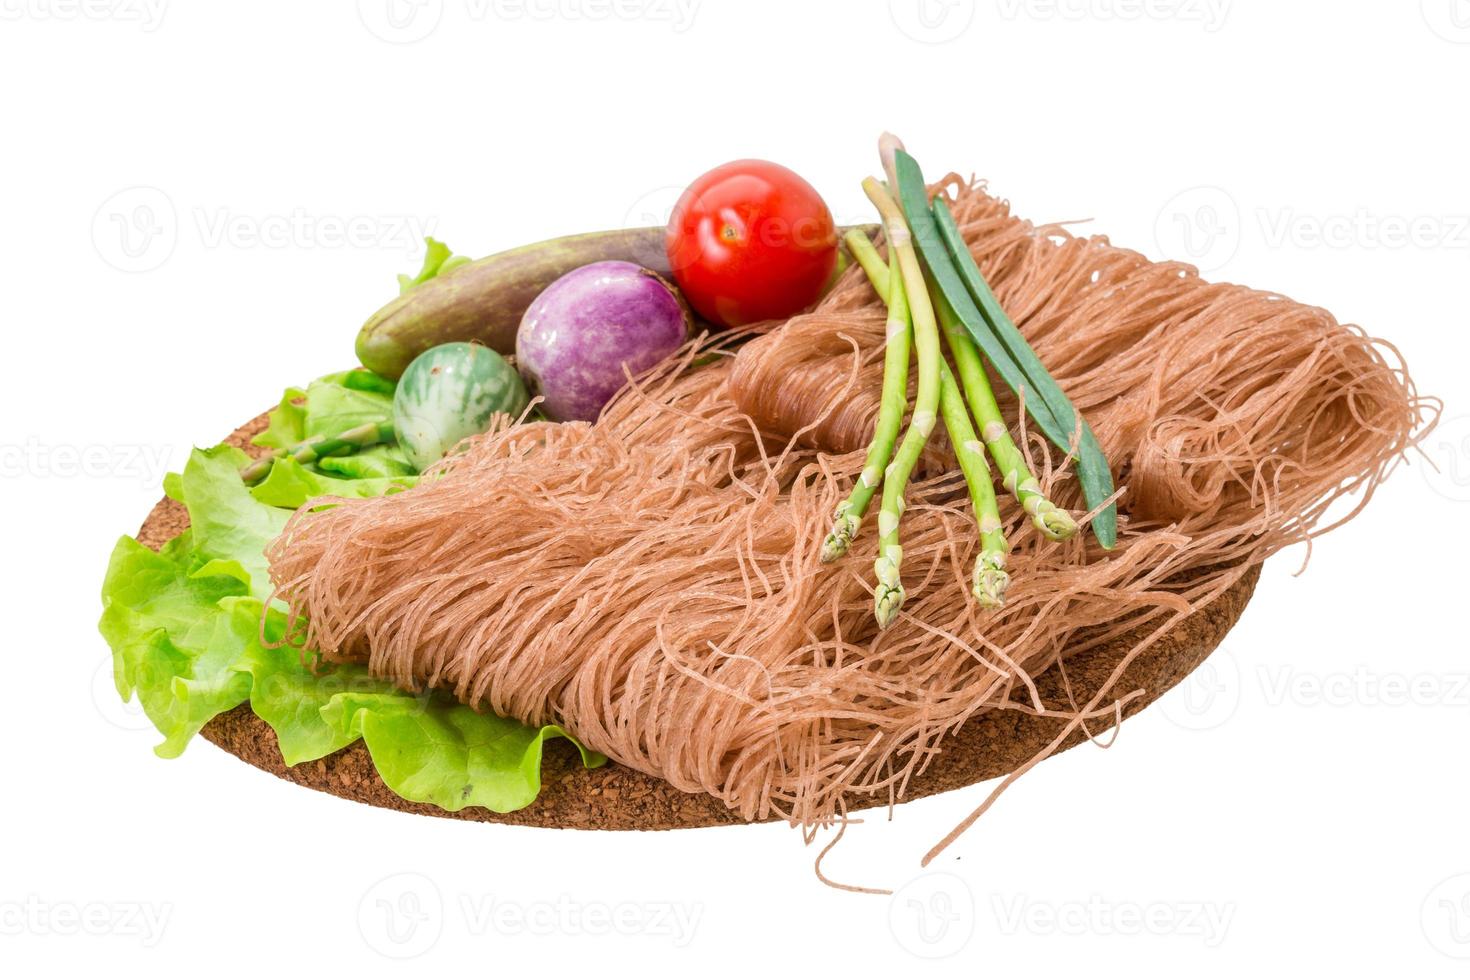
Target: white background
(1301, 804)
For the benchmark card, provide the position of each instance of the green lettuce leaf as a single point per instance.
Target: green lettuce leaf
(448, 755)
(290, 484)
(287, 422)
(185, 627)
(377, 463)
(331, 405)
(327, 406)
(230, 527)
(438, 259)
(339, 402)
(170, 644)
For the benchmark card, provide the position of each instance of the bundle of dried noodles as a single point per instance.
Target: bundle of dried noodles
(652, 582)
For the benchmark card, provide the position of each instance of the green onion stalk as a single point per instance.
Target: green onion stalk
(990, 580)
(357, 438)
(889, 597)
(899, 334)
(1051, 520)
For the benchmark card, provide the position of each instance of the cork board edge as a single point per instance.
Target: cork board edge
(618, 798)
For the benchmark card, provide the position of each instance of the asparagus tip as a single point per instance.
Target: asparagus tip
(1056, 524)
(889, 596)
(256, 470)
(844, 529)
(990, 585)
(886, 603)
(834, 546)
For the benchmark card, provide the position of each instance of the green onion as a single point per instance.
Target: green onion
(963, 285)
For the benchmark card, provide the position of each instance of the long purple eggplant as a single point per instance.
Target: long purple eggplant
(482, 301)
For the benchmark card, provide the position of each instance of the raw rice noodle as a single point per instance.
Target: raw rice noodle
(652, 581)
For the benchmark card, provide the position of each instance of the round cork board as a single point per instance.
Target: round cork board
(614, 797)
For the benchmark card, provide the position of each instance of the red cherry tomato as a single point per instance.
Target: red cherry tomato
(751, 241)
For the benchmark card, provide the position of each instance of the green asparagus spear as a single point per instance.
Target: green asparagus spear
(1093, 472)
(962, 284)
(889, 596)
(1050, 520)
(890, 419)
(861, 247)
(359, 437)
(991, 579)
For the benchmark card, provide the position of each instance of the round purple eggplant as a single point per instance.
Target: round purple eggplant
(590, 329)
